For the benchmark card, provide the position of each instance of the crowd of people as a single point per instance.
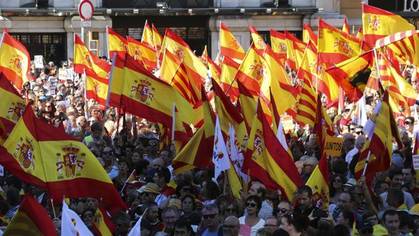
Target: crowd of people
(192, 203)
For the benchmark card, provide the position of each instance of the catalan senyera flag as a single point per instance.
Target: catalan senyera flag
(319, 178)
(267, 161)
(11, 107)
(257, 39)
(14, 61)
(335, 46)
(195, 69)
(380, 131)
(378, 23)
(346, 28)
(102, 225)
(197, 153)
(229, 46)
(47, 157)
(306, 101)
(394, 83)
(95, 69)
(229, 70)
(143, 53)
(117, 44)
(309, 35)
(31, 219)
(403, 45)
(352, 74)
(250, 72)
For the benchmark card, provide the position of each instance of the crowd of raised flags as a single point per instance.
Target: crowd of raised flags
(224, 114)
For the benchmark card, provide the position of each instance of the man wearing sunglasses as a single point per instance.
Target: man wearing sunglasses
(210, 224)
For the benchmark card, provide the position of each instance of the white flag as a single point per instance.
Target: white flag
(280, 135)
(362, 112)
(71, 224)
(136, 230)
(236, 156)
(370, 124)
(219, 154)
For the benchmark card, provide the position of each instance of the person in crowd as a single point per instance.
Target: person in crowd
(251, 219)
(391, 220)
(210, 224)
(231, 226)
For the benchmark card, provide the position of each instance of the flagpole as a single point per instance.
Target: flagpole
(364, 171)
(110, 81)
(377, 65)
(126, 181)
(53, 209)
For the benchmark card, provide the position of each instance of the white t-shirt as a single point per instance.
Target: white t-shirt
(254, 229)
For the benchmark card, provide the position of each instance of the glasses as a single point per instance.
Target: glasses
(282, 210)
(230, 226)
(209, 216)
(251, 204)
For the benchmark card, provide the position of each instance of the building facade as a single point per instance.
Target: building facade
(47, 27)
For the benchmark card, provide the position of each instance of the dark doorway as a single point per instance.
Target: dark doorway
(51, 45)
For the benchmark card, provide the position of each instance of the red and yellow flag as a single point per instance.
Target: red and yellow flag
(306, 102)
(379, 146)
(346, 28)
(11, 107)
(335, 46)
(295, 51)
(319, 178)
(117, 44)
(257, 40)
(95, 69)
(15, 61)
(229, 70)
(353, 74)
(229, 46)
(47, 157)
(378, 23)
(102, 224)
(142, 52)
(197, 153)
(267, 161)
(250, 72)
(279, 44)
(151, 36)
(309, 35)
(31, 219)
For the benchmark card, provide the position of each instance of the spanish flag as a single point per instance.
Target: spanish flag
(214, 70)
(276, 81)
(295, 51)
(47, 157)
(31, 219)
(309, 35)
(11, 107)
(346, 28)
(15, 61)
(102, 224)
(147, 36)
(267, 161)
(95, 69)
(157, 38)
(257, 40)
(229, 70)
(352, 75)
(335, 46)
(117, 44)
(378, 23)
(229, 46)
(250, 72)
(377, 151)
(197, 153)
(143, 53)
(279, 44)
